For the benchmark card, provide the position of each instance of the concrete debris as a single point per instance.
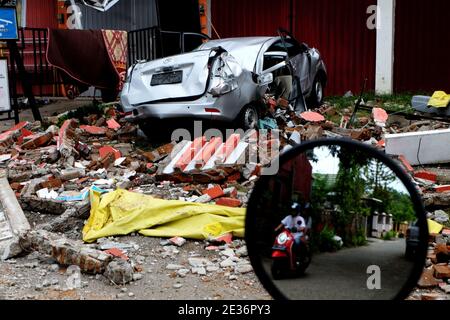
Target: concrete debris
(53, 167)
(119, 272)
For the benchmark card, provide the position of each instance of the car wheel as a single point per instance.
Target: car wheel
(318, 92)
(249, 118)
(153, 131)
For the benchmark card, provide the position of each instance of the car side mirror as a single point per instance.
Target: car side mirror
(265, 79)
(354, 249)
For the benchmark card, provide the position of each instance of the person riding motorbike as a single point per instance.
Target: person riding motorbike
(296, 224)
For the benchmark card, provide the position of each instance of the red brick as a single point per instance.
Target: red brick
(117, 253)
(108, 149)
(380, 115)
(442, 189)
(16, 186)
(234, 177)
(215, 192)
(225, 238)
(108, 160)
(229, 202)
(427, 280)
(113, 124)
(405, 163)
(94, 130)
(37, 141)
(24, 133)
(426, 175)
(312, 116)
(52, 183)
(442, 272)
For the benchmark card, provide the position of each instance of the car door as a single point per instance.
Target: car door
(300, 59)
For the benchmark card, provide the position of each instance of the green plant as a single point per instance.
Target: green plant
(326, 240)
(390, 235)
(359, 239)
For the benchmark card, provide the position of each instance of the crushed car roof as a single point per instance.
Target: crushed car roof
(245, 50)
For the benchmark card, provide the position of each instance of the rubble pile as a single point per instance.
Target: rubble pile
(54, 166)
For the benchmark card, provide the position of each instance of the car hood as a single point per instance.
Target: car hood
(194, 82)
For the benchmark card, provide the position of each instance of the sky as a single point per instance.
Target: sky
(328, 164)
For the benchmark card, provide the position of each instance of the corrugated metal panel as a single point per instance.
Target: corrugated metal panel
(422, 50)
(240, 18)
(337, 28)
(125, 15)
(41, 14)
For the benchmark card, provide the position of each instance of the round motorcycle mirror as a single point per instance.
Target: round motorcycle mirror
(340, 220)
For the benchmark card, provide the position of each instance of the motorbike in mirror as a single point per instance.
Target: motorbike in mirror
(339, 221)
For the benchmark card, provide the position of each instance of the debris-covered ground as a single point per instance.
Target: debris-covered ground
(53, 166)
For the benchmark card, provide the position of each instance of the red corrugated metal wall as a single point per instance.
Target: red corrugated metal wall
(337, 28)
(240, 18)
(422, 46)
(41, 14)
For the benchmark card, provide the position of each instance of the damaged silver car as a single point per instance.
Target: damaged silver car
(225, 80)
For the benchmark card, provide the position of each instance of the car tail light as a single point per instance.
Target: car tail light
(212, 110)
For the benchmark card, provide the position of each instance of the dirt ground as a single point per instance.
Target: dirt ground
(36, 277)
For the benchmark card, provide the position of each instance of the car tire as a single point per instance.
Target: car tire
(249, 118)
(317, 92)
(153, 131)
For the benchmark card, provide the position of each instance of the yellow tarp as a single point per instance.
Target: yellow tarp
(122, 212)
(434, 227)
(439, 100)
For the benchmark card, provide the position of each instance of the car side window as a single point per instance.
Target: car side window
(293, 48)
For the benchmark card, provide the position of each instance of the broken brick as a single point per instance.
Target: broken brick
(283, 103)
(52, 184)
(108, 160)
(234, 177)
(224, 238)
(215, 192)
(380, 116)
(405, 163)
(117, 253)
(442, 272)
(427, 280)
(312, 116)
(426, 175)
(37, 141)
(94, 130)
(231, 192)
(229, 202)
(103, 151)
(442, 189)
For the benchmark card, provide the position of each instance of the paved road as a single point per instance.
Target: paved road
(343, 275)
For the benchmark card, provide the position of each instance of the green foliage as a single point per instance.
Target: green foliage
(82, 112)
(401, 207)
(326, 242)
(350, 185)
(394, 103)
(359, 239)
(390, 235)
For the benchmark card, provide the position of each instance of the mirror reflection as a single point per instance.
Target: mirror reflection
(336, 224)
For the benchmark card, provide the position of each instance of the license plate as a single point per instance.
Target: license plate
(167, 78)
